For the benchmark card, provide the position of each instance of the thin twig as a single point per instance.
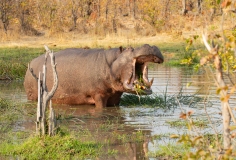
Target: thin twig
(211, 123)
(188, 118)
(32, 72)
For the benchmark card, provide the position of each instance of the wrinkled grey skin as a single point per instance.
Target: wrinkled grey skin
(95, 76)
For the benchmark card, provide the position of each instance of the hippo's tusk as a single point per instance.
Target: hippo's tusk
(129, 80)
(133, 65)
(145, 77)
(127, 85)
(145, 73)
(132, 76)
(151, 82)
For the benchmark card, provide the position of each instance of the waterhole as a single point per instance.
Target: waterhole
(119, 125)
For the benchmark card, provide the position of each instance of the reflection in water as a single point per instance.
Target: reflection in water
(13, 90)
(176, 79)
(124, 120)
(107, 125)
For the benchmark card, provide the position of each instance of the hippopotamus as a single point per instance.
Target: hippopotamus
(95, 76)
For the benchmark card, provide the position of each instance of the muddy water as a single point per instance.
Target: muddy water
(151, 121)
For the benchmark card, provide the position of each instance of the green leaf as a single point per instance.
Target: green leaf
(232, 128)
(196, 139)
(218, 90)
(188, 84)
(195, 37)
(201, 152)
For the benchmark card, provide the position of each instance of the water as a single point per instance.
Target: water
(172, 81)
(13, 90)
(152, 121)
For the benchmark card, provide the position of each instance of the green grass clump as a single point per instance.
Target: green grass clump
(133, 100)
(4, 105)
(14, 61)
(164, 100)
(171, 151)
(9, 114)
(56, 147)
(12, 70)
(183, 123)
(8, 111)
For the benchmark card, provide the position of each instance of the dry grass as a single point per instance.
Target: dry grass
(77, 40)
(178, 29)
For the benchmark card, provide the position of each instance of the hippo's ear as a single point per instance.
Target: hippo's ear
(121, 49)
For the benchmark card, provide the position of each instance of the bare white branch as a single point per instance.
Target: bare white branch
(55, 76)
(52, 120)
(225, 108)
(45, 96)
(206, 43)
(46, 48)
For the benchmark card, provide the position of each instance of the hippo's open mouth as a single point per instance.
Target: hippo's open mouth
(138, 81)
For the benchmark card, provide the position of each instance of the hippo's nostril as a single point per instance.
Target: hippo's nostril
(158, 60)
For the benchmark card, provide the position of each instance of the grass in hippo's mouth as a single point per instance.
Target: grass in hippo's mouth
(159, 101)
(140, 86)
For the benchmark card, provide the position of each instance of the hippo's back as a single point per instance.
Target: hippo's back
(79, 71)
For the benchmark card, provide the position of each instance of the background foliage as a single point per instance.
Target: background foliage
(100, 17)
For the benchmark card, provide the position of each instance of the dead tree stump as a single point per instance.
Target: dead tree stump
(43, 126)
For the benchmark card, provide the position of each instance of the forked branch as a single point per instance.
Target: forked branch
(226, 110)
(55, 76)
(44, 96)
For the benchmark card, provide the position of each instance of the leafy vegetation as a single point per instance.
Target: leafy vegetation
(54, 147)
(188, 55)
(100, 17)
(219, 62)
